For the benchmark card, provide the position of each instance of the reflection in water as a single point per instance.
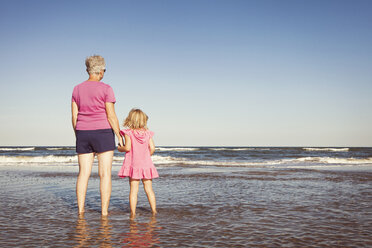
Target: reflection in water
(141, 234)
(87, 236)
(82, 232)
(105, 233)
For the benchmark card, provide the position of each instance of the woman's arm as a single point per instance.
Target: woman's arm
(127, 146)
(74, 114)
(113, 120)
(151, 146)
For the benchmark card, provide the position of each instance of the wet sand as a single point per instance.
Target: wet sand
(198, 207)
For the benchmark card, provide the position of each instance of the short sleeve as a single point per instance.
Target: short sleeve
(110, 96)
(125, 131)
(74, 95)
(151, 133)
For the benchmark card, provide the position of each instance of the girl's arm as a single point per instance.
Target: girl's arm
(113, 120)
(151, 146)
(127, 146)
(74, 114)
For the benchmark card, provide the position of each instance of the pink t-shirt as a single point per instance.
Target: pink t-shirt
(90, 97)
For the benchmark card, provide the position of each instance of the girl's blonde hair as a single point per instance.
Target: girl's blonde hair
(136, 119)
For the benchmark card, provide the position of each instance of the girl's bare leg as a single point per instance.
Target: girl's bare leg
(134, 183)
(85, 168)
(147, 185)
(104, 171)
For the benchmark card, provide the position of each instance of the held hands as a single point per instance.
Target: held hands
(121, 145)
(124, 147)
(121, 148)
(121, 142)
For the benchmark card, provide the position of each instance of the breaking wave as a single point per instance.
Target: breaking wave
(329, 160)
(59, 148)
(326, 149)
(239, 149)
(8, 149)
(38, 159)
(177, 149)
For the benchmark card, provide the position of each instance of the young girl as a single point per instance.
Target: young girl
(138, 165)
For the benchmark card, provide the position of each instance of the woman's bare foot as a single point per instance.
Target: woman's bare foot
(132, 216)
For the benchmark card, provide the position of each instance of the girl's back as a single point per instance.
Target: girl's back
(138, 163)
(139, 155)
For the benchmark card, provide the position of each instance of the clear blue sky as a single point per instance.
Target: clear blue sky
(220, 73)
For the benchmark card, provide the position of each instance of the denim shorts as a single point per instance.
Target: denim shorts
(101, 140)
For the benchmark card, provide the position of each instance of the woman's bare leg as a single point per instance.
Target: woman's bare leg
(85, 168)
(134, 183)
(147, 185)
(104, 171)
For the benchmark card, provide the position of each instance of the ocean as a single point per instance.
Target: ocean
(208, 157)
(206, 197)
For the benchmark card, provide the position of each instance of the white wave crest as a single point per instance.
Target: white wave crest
(6, 149)
(165, 160)
(160, 160)
(38, 159)
(326, 149)
(239, 149)
(329, 160)
(178, 149)
(59, 148)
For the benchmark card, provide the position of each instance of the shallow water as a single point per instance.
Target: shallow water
(198, 207)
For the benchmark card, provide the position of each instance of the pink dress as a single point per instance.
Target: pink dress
(137, 163)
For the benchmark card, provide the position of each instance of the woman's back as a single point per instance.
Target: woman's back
(90, 97)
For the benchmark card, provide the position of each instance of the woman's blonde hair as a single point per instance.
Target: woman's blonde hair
(95, 64)
(136, 119)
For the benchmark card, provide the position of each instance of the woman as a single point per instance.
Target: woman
(94, 122)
